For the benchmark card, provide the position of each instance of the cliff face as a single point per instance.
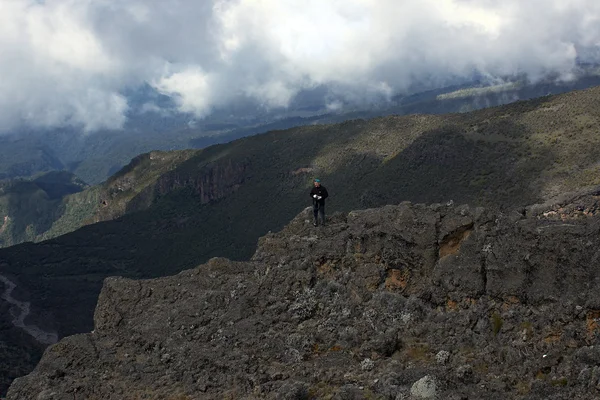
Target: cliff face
(209, 182)
(132, 188)
(406, 301)
(136, 187)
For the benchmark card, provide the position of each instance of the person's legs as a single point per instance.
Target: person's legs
(322, 213)
(316, 213)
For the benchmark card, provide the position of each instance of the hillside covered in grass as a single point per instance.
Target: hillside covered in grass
(28, 207)
(57, 202)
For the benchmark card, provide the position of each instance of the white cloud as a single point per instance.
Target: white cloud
(191, 88)
(65, 62)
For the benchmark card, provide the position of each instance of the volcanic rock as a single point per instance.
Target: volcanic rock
(437, 301)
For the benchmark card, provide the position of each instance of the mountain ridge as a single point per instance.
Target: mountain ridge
(551, 140)
(94, 157)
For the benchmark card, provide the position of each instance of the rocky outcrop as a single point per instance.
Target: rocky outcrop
(405, 301)
(212, 181)
(139, 185)
(133, 188)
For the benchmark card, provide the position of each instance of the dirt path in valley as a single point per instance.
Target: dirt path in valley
(20, 311)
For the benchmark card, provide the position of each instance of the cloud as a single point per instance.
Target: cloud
(190, 87)
(68, 62)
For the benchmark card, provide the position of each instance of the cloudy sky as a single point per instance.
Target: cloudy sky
(68, 62)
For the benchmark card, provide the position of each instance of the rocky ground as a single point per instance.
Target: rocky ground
(400, 302)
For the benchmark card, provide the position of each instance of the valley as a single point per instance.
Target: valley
(22, 312)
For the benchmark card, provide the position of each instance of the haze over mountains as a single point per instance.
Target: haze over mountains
(93, 157)
(58, 213)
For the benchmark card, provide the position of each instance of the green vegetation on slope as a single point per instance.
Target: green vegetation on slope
(54, 203)
(29, 207)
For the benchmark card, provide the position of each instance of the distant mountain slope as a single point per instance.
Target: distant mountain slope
(58, 202)
(516, 154)
(28, 207)
(220, 200)
(94, 157)
(23, 157)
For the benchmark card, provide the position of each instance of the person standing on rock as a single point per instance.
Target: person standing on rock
(319, 194)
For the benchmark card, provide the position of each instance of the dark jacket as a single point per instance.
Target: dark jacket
(319, 191)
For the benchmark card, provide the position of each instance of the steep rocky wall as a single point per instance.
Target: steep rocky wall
(128, 192)
(405, 301)
(212, 182)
